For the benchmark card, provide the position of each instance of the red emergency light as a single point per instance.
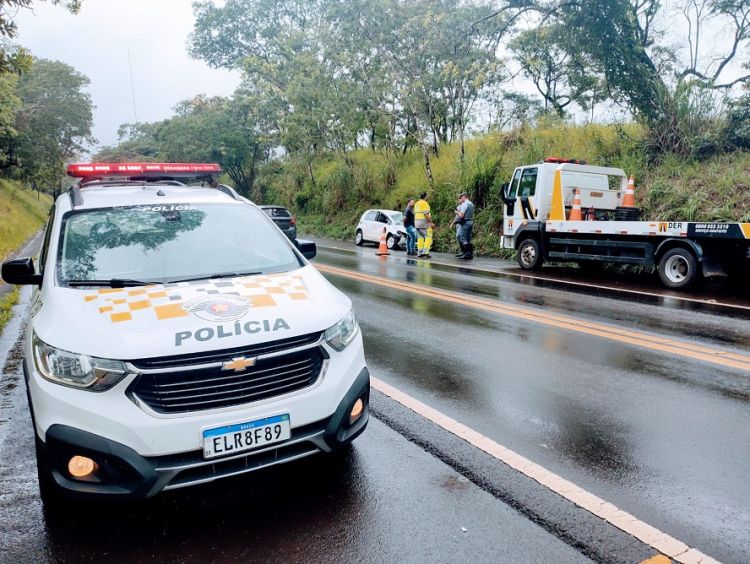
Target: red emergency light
(98, 170)
(560, 160)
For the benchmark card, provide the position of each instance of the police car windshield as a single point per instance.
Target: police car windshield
(170, 242)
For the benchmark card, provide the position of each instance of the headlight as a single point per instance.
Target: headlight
(76, 370)
(341, 334)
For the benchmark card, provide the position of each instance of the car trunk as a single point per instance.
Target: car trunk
(280, 217)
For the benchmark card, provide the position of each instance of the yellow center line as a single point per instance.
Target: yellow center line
(640, 339)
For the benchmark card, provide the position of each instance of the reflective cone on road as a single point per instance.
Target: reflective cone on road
(383, 247)
(628, 200)
(575, 213)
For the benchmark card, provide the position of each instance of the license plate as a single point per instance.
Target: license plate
(232, 439)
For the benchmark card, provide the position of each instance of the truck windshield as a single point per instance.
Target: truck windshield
(170, 242)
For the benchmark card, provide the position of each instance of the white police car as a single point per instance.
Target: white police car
(178, 337)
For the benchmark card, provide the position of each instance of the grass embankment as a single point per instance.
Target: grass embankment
(330, 195)
(22, 213)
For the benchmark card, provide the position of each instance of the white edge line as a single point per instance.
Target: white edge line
(656, 539)
(571, 282)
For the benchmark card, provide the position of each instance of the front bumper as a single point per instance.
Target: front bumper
(125, 474)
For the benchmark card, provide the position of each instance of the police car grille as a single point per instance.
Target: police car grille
(224, 354)
(210, 388)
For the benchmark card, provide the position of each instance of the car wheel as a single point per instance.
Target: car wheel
(359, 238)
(390, 242)
(678, 268)
(530, 255)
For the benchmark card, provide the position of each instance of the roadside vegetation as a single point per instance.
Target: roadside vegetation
(23, 213)
(6, 307)
(676, 188)
(353, 104)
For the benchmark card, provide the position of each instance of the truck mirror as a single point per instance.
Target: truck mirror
(21, 271)
(504, 189)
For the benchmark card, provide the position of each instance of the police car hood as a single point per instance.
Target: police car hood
(187, 317)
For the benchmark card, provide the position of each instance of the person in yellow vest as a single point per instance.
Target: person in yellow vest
(424, 226)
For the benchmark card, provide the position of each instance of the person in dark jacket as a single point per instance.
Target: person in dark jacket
(411, 231)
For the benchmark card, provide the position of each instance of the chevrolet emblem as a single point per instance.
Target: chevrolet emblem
(239, 363)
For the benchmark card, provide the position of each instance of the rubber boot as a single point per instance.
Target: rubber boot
(469, 254)
(462, 252)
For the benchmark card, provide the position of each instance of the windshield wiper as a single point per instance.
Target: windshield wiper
(217, 275)
(112, 283)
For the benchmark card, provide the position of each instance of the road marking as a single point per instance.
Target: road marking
(658, 559)
(586, 285)
(610, 513)
(636, 338)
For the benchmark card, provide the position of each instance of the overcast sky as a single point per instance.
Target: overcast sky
(96, 42)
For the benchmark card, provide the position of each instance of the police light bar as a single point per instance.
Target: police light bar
(98, 170)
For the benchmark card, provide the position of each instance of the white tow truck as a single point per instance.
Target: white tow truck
(537, 208)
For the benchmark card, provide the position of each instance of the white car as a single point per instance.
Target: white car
(177, 337)
(371, 224)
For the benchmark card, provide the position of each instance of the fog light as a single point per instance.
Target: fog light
(357, 409)
(81, 467)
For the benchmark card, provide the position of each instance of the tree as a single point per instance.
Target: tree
(214, 130)
(53, 123)
(341, 72)
(137, 142)
(562, 74)
(655, 80)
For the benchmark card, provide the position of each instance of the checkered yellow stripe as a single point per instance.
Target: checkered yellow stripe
(165, 301)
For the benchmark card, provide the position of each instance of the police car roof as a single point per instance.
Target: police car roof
(146, 193)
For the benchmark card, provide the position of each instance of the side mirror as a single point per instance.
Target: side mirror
(308, 248)
(21, 271)
(504, 188)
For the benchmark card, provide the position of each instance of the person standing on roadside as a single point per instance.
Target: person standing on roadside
(465, 221)
(457, 224)
(411, 232)
(424, 226)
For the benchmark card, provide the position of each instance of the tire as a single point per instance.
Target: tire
(390, 242)
(359, 239)
(678, 269)
(529, 255)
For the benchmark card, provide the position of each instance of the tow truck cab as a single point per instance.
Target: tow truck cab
(528, 196)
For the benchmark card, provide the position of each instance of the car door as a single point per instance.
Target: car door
(380, 221)
(369, 225)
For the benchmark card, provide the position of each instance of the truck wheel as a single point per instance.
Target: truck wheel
(678, 268)
(530, 255)
(359, 239)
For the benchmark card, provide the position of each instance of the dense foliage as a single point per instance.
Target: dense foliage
(45, 111)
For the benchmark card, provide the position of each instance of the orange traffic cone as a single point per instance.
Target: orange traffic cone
(383, 247)
(575, 213)
(628, 200)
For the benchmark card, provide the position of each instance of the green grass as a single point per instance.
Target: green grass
(22, 214)
(6, 305)
(330, 200)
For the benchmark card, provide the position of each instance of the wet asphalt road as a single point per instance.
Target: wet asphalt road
(386, 500)
(663, 437)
